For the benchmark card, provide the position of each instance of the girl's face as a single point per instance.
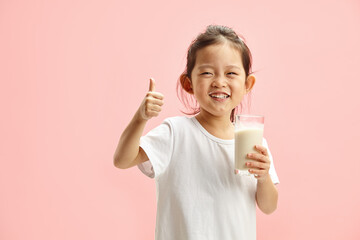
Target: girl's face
(218, 79)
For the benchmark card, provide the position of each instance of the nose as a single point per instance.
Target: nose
(219, 82)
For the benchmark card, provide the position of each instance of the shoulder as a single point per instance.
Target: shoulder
(178, 121)
(180, 126)
(170, 125)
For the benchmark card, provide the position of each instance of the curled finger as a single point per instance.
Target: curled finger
(155, 95)
(152, 108)
(258, 157)
(262, 150)
(257, 171)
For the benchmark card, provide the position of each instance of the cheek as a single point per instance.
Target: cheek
(239, 87)
(199, 88)
(199, 93)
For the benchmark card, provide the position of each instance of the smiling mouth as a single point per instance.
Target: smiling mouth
(219, 95)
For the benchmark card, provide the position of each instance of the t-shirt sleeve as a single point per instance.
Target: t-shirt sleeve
(272, 171)
(158, 146)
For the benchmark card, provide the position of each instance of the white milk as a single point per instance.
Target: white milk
(245, 140)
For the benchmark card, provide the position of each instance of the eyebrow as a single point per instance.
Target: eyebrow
(210, 66)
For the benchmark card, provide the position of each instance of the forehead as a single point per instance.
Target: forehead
(221, 53)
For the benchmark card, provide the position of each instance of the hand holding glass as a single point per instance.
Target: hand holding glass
(248, 133)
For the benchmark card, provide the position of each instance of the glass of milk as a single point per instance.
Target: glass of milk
(248, 133)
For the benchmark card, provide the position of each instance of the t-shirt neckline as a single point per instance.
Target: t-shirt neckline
(209, 135)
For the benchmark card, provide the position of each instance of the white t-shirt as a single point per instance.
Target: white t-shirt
(198, 195)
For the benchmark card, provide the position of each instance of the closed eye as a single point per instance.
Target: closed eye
(205, 73)
(232, 73)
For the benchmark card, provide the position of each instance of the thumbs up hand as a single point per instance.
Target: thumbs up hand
(151, 105)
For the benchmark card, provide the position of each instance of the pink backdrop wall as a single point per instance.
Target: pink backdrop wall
(73, 73)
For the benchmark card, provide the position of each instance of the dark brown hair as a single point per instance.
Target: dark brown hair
(214, 34)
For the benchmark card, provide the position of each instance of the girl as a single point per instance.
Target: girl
(192, 158)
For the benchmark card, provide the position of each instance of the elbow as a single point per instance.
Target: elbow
(269, 206)
(269, 211)
(117, 163)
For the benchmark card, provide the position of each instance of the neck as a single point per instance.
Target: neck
(219, 126)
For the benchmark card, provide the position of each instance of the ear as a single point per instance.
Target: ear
(249, 84)
(186, 83)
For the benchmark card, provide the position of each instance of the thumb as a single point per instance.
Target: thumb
(152, 85)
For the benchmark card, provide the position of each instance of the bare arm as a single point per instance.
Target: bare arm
(128, 149)
(266, 192)
(128, 153)
(266, 195)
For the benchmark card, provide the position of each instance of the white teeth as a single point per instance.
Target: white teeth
(221, 96)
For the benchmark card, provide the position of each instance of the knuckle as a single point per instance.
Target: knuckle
(149, 96)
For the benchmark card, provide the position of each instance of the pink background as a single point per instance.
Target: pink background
(74, 72)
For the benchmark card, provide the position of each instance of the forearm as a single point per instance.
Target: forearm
(128, 146)
(266, 195)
